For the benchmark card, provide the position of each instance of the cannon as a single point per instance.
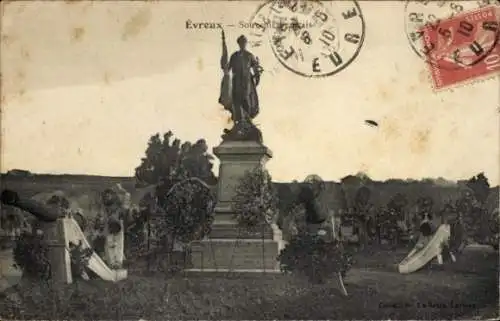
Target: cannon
(53, 230)
(40, 211)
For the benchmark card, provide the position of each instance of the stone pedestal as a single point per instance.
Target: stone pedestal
(235, 159)
(229, 248)
(59, 256)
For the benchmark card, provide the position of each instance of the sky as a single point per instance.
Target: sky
(85, 84)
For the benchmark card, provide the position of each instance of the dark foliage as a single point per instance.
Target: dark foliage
(398, 203)
(387, 223)
(313, 257)
(136, 233)
(255, 199)
(361, 212)
(170, 161)
(80, 257)
(480, 186)
(188, 211)
(362, 198)
(31, 255)
(308, 198)
(425, 205)
(389, 217)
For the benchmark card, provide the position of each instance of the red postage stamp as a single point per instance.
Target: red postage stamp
(463, 48)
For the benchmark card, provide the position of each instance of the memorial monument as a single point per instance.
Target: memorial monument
(228, 247)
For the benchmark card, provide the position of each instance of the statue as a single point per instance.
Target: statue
(239, 91)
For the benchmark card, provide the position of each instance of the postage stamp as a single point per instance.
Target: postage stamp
(422, 13)
(463, 48)
(311, 38)
(458, 40)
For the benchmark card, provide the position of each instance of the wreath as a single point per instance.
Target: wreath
(188, 210)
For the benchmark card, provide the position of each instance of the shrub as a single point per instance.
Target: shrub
(475, 218)
(315, 258)
(295, 222)
(79, 259)
(135, 232)
(255, 199)
(387, 223)
(31, 256)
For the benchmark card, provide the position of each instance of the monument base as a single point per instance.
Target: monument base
(230, 248)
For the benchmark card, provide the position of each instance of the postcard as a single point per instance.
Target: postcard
(274, 159)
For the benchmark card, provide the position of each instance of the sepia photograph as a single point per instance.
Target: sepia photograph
(249, 160)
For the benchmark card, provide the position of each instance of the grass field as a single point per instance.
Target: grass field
(376, 291)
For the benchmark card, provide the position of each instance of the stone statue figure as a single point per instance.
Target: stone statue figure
(239, 90)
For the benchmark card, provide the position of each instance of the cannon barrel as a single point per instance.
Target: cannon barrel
(39, 210)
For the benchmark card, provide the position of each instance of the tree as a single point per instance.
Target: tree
(475, 218)
(398, 202)
(425, 206)
(361, 212)
(480, 187)
(255, 200)
(169, 162)
(394, 213)
(359, 179)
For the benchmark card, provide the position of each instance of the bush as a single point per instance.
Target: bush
(387, 224)
(79, 259)
(295, 223)
(315, 258)
(479, 224)
(135, 232)
(31, 256)
(255, 199)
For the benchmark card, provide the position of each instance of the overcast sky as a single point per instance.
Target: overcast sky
(85, 85)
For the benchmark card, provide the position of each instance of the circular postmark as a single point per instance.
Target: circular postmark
(452, 34)
(311, 38)
(258, 37)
